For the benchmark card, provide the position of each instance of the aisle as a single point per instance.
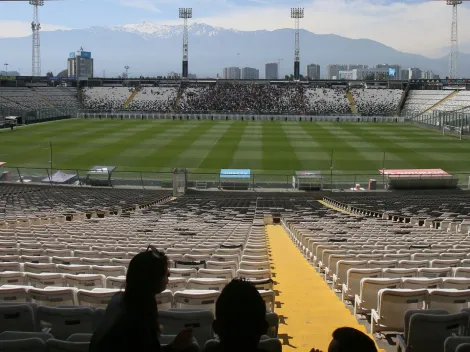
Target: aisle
(309, 310)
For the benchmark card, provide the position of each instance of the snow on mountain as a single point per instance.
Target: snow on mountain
(157, 30)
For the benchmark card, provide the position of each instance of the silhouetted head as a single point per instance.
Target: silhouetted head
(351, 340)
(240, 315)
(147, 275)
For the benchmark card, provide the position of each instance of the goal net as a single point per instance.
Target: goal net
(455, 131)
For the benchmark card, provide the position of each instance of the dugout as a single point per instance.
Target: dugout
(419, 179)
(307, 181)
(100, 176)
(233, 179)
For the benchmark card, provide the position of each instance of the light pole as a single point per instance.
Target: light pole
(6, 69)
(185, 13)
(297, 13)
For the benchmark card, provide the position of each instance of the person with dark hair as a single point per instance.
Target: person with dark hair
(350, 340)
(131, 318)
(240, 318)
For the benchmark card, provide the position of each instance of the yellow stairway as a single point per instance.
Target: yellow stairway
(128, 101)
(352, 102)
(309, 310)
(178, 98)
(440, 101)
(43, 98)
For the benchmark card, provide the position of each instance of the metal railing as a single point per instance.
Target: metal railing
(202, 181)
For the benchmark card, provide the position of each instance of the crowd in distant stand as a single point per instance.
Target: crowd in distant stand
(244, 98)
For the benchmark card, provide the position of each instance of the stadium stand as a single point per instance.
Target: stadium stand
(59, 96)
(242, 98)
(420, 100)
(376, 265)
(458, 102)
(21, 98)
(377, 102)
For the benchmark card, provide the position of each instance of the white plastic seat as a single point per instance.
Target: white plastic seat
(108, 270)
(183, 264)
(96, 261)
(174, 320)
(392, 305)
(84, 281)
(352, 287)
(12, 278)
(196, 257)
(120, 262)
(10, 266)
(435, 272)
(44, 279)
(176, 284)
(64, 322)
(66, 260)
(200, 299)
(382, 264)
(254, 274)
(255, 265)
(255, 258)
(342, 267)
(186, 273)
(262, 284)
(113, 255)
(73, 269)
(206, 284)
(462, 272)
(164, 300)
(116, 282)
(58, 252)
(216, 273)
(392, 273)
(33, 344)
(458, 283)
(19, 317)
(269, 297)
(53, 296)
(413, 264)
(449, 299)
(39, 268)
(14, 294)
(366, 300)
(444, 263)
(97, 298)
(416, 283)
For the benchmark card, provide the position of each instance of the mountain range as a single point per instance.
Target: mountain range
(152, 49)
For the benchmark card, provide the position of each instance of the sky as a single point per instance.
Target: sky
(415, 26)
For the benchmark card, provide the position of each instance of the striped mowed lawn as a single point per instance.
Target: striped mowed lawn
(208, 146)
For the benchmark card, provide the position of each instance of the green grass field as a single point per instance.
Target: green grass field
(208, 146)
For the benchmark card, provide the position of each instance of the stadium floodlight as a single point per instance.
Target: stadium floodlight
(185, 13)
(127, 70)
(6, 69)
(454, 39)
(297, 13)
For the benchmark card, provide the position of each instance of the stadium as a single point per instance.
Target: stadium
(331, 203)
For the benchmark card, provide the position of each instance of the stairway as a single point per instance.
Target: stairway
(178, 98)
(352, 102)
(43, 98)
(129, 100)
(440, 102)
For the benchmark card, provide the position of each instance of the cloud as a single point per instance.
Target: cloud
(415, 27)
(148, 5)
(12, 29)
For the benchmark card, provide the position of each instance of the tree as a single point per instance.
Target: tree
(49, 74)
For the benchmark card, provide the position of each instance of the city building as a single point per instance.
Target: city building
(232, 73)
(250, 73)
(192, 76)
(313, 71)
(429, 75)
(271, 71)
(394, 71)
(80, 65)
(367, 74)
(173, 75)
(414, 73)
(358, 67)
(332, 71)
(405, 75)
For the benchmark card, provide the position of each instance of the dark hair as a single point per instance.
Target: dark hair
(145, 276)
(240, 313)
(352, 340)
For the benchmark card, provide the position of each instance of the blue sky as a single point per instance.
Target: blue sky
(413, 25)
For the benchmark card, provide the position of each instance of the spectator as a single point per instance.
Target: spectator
(131, 318)
(350, 340)
(240, 318)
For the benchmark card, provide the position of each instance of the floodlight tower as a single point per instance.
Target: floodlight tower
(36, 27)
(454, 40)
(127, 70)
(6, 69)
(185, 13)
(297, 13)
